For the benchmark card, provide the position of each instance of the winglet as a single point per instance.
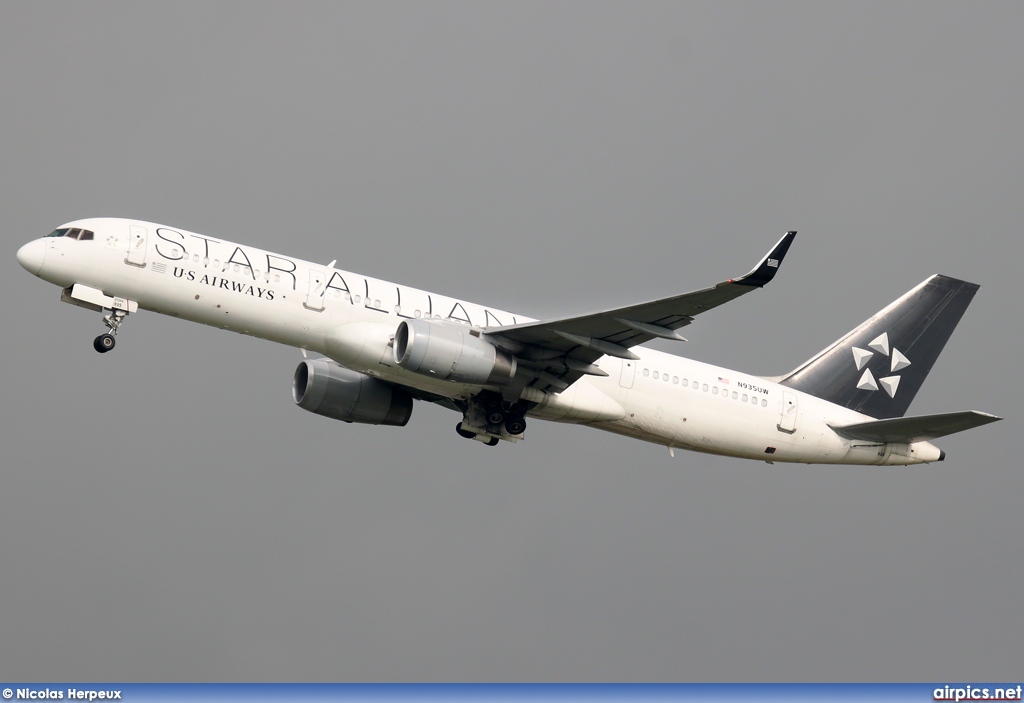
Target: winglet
(765, 271)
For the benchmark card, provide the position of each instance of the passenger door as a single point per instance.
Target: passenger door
(315, 296)
(628, 373)
(136, 246)
(787, 421)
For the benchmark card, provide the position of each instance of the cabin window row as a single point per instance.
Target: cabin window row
(697, 385)
(358, 300)
(375, 303)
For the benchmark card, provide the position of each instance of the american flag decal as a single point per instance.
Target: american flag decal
(159, 267)
(773, 263)
(723, 380)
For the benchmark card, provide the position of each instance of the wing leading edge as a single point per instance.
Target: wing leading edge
(558, 352)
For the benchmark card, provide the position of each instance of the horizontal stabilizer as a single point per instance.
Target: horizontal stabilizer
(914, 429)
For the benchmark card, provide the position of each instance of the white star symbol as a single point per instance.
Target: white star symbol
(897, 362)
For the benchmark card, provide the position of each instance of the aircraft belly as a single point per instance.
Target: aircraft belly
(718, 427)
(583, 402)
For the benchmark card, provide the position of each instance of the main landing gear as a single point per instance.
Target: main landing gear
(113, 321)
(469, 434)
(490, 419)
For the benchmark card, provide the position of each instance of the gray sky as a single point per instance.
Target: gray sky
(166, 513)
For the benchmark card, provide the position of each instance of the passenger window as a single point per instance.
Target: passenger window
(655, 375)
(734, 395)
(764, 402)
(675, 380)
(744, 398)
(647, 372)
(705, 387)
(695, 385)
(714, 391)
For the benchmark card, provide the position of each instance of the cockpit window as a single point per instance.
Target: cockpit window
(72, 232)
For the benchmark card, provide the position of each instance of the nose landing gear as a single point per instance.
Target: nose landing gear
(113, 321)
(98, 301)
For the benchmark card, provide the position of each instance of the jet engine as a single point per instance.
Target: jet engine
(451, 353)
(329, 389)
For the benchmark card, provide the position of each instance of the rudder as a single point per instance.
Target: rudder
(878, 367)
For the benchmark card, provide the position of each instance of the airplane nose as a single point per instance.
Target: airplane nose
(31, 256)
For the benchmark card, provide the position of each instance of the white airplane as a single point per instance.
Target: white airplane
(386, 345)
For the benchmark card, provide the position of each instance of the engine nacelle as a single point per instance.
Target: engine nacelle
(329, 389)
(451, 353)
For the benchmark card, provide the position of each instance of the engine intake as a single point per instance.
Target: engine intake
(329, 389)
(451, 353)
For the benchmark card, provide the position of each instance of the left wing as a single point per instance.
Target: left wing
(558, 352)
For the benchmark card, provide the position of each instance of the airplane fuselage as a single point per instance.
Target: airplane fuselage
(351, 318)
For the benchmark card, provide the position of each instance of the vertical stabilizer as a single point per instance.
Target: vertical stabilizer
(878, 367)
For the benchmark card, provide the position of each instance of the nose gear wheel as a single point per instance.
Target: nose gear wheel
(103, 343)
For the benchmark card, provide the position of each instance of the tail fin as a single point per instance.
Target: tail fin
(878, 368)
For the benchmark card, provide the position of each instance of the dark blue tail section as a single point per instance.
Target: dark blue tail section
(879, 367)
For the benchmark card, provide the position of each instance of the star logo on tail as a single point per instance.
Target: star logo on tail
(897, 362)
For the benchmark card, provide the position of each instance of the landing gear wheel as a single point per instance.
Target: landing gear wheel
(464, 433)
(515, 424)
(495, 415)
(493, 442)
(103, 343)
(113, 321)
